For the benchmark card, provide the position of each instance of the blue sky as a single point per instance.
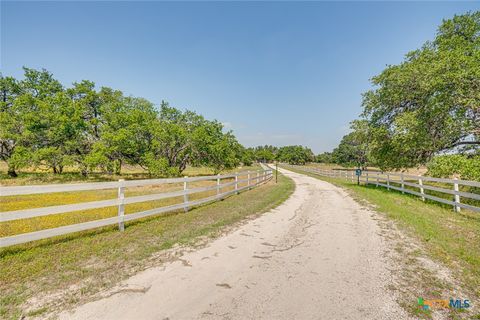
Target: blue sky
(274, 72)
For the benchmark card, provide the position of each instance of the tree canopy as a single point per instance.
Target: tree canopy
(426, 106)
(45, 125)
(430, 103)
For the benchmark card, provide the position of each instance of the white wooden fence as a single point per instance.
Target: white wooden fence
(400, 181)
(250, 179)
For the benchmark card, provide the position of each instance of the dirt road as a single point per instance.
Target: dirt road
(317, 256)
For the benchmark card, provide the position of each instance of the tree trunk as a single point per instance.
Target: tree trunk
(12, 173)
(118, 167)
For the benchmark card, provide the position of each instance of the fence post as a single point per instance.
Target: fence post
(248, 182)
(403, 184)
(388, 181)
(185, 195)
(366, 178)
(121, 205)
(257, 181)
(457, 196)
(276, 172)
(236, 182)
(376, 184)
(420, 182)
(218, 184)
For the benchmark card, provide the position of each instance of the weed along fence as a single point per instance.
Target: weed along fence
(457, 193)
(143, 198)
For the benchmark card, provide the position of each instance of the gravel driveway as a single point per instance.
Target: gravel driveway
(319, 255)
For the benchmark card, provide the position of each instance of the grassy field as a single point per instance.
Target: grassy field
(449, 237)
(70, 175)
(84, 263)
(11, 203)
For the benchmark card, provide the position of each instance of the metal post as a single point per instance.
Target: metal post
(185, 195)
(218, 184)
(376, 185)
(420, 182)
(388, 181)
(457, 196)
(121, 205)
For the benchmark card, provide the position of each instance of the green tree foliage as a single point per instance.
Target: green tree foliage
(265, 153)
(179, 138)
(325, 157)
(464, 166)
(248, 156)
(297, 155)
(430, 102)
(10, 125)
(223, 152)
(46, 125)
(24, 122)
(353, 149)
(289, 154)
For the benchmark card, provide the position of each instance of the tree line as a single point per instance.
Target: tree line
(425, 110)
(289, 154)
(44, 124)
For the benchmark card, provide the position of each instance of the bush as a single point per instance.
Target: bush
(159, 167)
(464, 166)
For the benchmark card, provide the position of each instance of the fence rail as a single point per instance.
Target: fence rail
(250, 178)
(399, 181)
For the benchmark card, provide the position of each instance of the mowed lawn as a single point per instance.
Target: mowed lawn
(81, 264)
(452, 238)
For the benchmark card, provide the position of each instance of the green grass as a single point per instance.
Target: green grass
(449, 237)
(426, 183)
(87, 262)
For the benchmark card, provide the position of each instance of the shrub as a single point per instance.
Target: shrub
(464, 166)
